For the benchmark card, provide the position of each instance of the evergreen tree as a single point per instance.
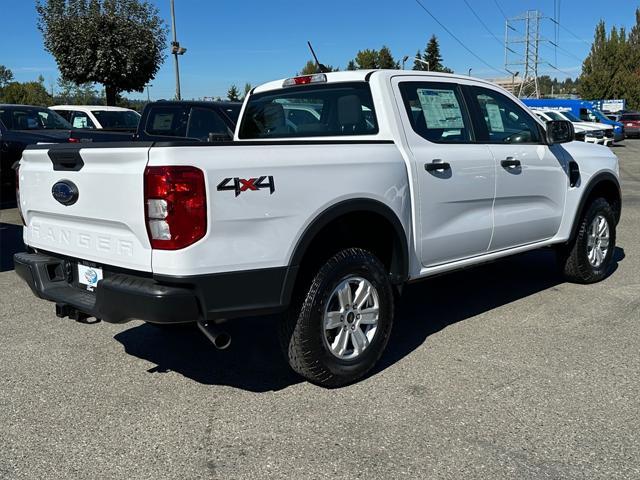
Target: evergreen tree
(433, 57)
(233, 95)
(373, 59)
(417, 64)
(386, 60)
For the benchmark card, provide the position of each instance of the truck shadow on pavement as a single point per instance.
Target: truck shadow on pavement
(254, 362)
(10, 243)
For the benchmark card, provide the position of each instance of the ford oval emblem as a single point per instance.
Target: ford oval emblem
(65, 192)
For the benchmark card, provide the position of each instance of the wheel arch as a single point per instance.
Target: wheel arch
(331, 220)
(605, 185)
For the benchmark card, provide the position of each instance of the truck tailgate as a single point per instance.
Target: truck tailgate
(106, 223)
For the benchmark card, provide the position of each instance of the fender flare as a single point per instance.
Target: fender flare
(588, 190)
(400, 264)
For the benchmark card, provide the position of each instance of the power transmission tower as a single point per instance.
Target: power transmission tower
(523, 51)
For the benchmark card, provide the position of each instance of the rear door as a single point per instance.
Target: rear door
(531, 182)
(455, 176)
(105, 222)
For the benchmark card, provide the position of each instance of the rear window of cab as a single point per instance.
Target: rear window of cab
(335, 109)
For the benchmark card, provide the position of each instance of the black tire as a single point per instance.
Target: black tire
(302, 334)
(573, 259)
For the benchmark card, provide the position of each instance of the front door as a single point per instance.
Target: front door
(454, 177)
(531, 179)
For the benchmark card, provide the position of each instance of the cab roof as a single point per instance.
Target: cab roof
(364, 75)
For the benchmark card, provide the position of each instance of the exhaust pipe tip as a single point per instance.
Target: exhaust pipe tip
(221, 340)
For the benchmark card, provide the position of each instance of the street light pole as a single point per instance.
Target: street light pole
(417, 59)
(469, 73)
(148, 95)
(175, 47)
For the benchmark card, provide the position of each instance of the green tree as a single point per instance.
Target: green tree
(27, 93)
(6, 76)
(433, 57)
(417, 64)
(612, 68)
(310, 68)
(247, 89)
(373, 59)
(386, 60)
(117, 43)
(71, 93)
(233, 95)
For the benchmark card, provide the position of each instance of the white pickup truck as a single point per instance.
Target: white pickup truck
(323, 216)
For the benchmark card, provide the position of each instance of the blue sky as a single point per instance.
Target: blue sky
(255, 41)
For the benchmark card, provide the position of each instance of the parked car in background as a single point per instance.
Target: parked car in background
(585, 131)
(177, 121)
(22, 125)
(188, 120)
(99, 117)
(582, 109)
(631, 122)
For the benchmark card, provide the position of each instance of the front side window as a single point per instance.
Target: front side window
(28, 118)
(81, 120)
(436, 112)
(502, 120)
(310, 111)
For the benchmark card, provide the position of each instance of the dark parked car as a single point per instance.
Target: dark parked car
(185, 120)
(22, 125)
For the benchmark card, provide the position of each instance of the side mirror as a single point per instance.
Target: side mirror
(560, 131)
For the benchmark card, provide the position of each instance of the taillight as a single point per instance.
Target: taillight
(73, 140)
(18, 193)
(175, 206)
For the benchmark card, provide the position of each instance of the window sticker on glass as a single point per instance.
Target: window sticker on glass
(494, 117)
(441, 108)
(162, 121)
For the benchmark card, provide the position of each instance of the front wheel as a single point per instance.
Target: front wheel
(338, 328)
(589, 258)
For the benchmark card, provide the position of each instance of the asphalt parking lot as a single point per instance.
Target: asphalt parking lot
(502, 371)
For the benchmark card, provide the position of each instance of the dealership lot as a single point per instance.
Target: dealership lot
(502, 371)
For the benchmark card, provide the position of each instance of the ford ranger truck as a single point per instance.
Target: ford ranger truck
(319, 213)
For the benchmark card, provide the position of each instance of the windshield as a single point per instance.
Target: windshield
(570, 116)
(554, 116)
(116, 120)
(32, 118)
(233, 112)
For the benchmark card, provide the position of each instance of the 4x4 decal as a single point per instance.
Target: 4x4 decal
(240, 185)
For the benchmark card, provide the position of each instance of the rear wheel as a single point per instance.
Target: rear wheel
(589, 257)
(339, 326)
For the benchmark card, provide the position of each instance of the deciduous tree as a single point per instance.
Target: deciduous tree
(118, 43)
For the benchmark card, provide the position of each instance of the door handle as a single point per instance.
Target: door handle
(437, 166)
(510, 162)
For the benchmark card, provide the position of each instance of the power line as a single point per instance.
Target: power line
(500, 8)
(483, 24)
(570, 32)
(456, 38)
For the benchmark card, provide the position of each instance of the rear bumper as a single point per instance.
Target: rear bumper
(121, 297)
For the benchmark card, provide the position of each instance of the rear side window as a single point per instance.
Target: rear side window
(311, 111)
(436, 111)
(634, 117)
(203, 123)
(168, 121)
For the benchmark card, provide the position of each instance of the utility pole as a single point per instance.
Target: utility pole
(148, 95)
(524, 51)
(176, 49)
